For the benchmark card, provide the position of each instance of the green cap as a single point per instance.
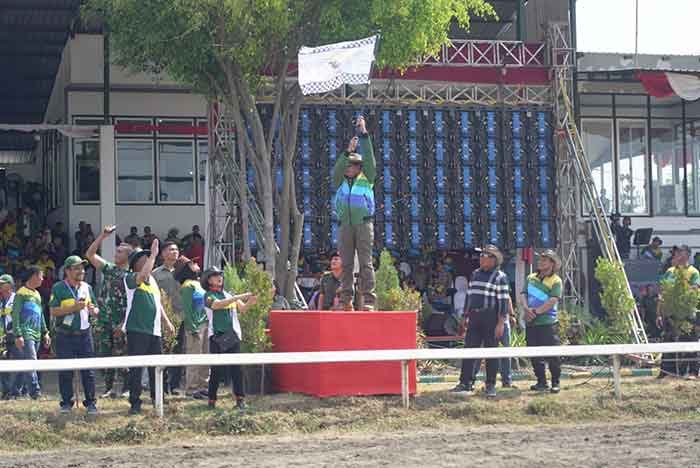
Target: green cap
(7, 279)
(73, 260)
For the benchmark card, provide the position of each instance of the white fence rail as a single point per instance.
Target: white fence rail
(161, 361)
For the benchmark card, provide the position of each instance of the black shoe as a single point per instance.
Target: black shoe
(36, 396)
(6, 396)
(555, 388)
(200, 395)
(491, 391)
(134, 410)
(508, 385)
(540, 387)
(240, 404)
(462, 388)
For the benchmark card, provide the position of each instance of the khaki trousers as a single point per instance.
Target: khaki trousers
(357, 238)
(197, 343)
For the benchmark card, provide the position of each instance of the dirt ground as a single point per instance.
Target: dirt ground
(598, 445)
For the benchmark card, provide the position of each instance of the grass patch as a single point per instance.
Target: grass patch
(36, 425)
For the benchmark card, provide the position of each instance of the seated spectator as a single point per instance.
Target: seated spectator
(187, 240)
(173, 236)
(330, 284)
(60, 251)
(196, 251)
(59, 231)
(653, 250)
(148, 237)
(133, 238)
(45, 262)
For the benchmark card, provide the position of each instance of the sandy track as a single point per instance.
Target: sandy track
(644, 445)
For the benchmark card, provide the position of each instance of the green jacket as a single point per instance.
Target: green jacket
(354, 200)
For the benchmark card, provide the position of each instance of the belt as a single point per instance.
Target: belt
(61, 331)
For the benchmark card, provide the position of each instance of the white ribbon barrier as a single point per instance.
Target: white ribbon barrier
(161, 361)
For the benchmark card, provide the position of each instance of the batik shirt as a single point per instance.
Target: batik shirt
(28, 315)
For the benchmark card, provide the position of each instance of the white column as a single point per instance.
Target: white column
(108, 191)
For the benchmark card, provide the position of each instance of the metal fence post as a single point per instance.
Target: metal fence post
(159, 391)
(616, 376)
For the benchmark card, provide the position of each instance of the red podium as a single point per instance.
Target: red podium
(298, 331)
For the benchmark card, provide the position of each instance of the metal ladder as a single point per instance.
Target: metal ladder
(597, 215)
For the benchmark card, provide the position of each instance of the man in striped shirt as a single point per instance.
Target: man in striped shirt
(486, 312)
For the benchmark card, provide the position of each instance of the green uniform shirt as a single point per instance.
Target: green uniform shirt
(221, 320)
(329, 287)
(143, 306)
(28, 315)
(64, 295)
(192, 295)
(690, 272)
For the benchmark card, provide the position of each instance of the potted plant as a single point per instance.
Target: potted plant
(253, 322)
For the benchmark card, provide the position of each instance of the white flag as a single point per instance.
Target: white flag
(325, 68)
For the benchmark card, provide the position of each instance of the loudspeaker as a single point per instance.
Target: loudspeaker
(642, 236)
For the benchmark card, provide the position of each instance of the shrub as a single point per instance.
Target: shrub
(616, 298)
(387, 279)
(678, 303)
(257, 281)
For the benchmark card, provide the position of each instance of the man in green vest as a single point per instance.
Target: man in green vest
(72, 302)
(354, 176)
(142, 323)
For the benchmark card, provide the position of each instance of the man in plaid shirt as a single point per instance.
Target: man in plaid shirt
(485, 312)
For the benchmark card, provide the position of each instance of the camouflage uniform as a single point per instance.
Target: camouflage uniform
(112, 303)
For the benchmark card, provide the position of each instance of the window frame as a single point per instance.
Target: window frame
(647, 164)
(193, 143)
(153, 169)
(76, 141)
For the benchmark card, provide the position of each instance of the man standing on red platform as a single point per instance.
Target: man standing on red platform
(354, 176)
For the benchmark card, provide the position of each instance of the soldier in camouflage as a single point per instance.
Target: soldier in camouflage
(112, 303)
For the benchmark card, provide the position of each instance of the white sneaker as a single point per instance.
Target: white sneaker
(125, 394)
(109, 394)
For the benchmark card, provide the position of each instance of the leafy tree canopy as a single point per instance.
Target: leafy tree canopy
(192, 39)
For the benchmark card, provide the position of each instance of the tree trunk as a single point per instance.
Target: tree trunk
(245, 222)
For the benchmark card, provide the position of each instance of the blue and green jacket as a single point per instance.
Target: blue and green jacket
(354, 200)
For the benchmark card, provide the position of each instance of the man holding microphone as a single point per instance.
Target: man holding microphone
(72, 302)
(354, 176)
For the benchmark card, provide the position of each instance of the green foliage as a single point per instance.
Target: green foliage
(615, 297)
(390, 296)
(386, 279)
(258, 282)
(678, 303)
(195, 40)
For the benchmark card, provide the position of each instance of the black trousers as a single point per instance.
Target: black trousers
(75, 347)
(544, 335)
(173, 375)
(679, 363)
(219, 372)
(481, 332)
(141, 344)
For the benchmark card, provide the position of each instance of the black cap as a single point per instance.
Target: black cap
(136, 254)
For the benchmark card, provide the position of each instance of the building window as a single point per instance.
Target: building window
(202, 158)
(632, 169)
(692, 141)
(597, 135)
(135, 171)
(667, 176)
(176, 172)
(87, 171)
